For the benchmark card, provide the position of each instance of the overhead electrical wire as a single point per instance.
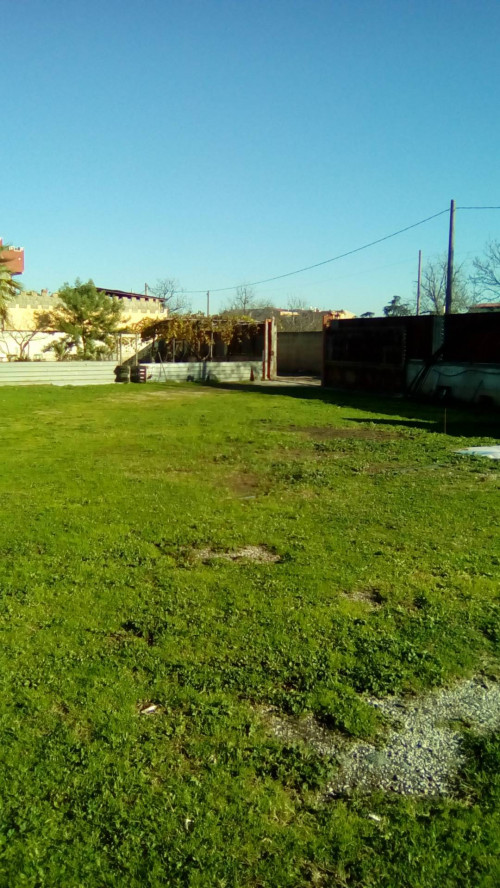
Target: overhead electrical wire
(478, 208)
(373, 243)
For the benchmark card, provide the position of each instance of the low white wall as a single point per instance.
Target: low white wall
(58, 373)
(204, 371)
(466, 382)
(31, 345)
(14, 343)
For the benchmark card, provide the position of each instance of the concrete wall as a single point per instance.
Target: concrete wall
(21, 311)
(58, 373)
(473, 383)
(14, 343)
(300, 353)
(202, 371)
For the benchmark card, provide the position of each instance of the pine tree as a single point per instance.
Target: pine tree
(89, 319)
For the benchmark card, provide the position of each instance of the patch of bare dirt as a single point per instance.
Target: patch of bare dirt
(304, 454)
(168, 394)
(331, 432)
(395, 469)
(295, 453)
(370, 597)
(259, 554)
(244, 485)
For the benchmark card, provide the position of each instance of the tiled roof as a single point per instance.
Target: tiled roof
(123, 294)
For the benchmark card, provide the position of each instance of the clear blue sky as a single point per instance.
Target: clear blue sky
(225, 141)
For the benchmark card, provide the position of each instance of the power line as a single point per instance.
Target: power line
(379, 240)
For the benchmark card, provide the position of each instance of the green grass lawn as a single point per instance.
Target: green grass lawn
(107, 495)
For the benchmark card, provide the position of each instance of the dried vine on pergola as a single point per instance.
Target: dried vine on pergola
(197, 331)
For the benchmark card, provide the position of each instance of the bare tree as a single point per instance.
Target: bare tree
(20, 340)
(296, 303)
(300, 317)
(244, 300)
(172, 296)
(486, 276)
(433, 288)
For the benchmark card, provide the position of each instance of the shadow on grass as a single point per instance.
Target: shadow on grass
(459, 420)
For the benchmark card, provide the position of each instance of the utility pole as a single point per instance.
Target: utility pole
(451, 246)
(419, 279)
(211, 347)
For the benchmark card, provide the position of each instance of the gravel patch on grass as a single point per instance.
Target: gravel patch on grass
(422, 752)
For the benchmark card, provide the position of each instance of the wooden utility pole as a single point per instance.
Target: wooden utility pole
(451, 247)
(419, 279)
(211, 347)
